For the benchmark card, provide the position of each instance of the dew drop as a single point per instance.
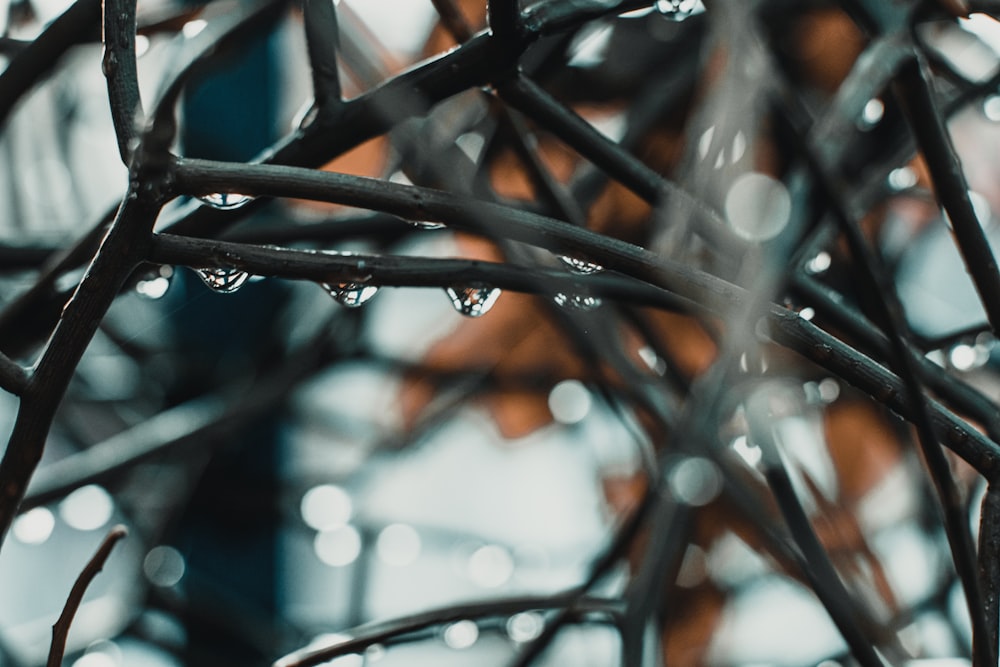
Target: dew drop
(427, 224)
(223, 281)
(577, 301)
(226, 201)
(676, 10)
(580, 266)
(351, 295)
(473, 301)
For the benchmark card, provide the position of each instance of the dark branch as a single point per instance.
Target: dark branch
(60, 630)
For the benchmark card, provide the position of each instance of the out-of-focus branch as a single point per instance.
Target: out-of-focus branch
(322, 40)
(60, 630)
(36, 59)
(989, 564)
(13, 378)
(914, 91)
(383, 632)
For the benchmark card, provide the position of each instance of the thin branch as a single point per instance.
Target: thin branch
(40, 56)
(989, 564)
(60, 630)
(322, 42)
(364, 636)
(121, 73)
(13, 378)
(915, 93)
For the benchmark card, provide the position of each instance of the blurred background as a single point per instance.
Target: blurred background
(300, 467)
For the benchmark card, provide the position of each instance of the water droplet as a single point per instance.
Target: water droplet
(705, 142)
(351, 295)
(807, 314)
(473, 301)
(820, 263)
(223, 281)
(226, 201)
(427, 224)
(34, 526)
(193, 28)
(525, 626)
(461, 634)
(580, 266)
(87, 508)
(902, 178)
(569, 402)
(338, 547)
(326, 506)
(164, 566)
(676, 10)
(577, 301)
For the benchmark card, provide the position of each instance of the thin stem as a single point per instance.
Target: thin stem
(60, 630)
(918, 99)
(989, 563)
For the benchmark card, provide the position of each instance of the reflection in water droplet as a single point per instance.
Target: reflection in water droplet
(525, 626)
(473, 301)
(351, 295)
(580, 266)
(461, 634)
(577, 301)
(223, 281)
(677, 10)
(820, 263)
(226, 200)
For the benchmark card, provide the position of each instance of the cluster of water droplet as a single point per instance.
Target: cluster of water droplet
(580, 266)
(474, 301)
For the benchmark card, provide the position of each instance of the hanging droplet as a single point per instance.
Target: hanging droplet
(426, 224)
(473, 301)
(223, 281)
(351, 295)
(577, 301)
(676, 10)
(580, 266)
(226, 201)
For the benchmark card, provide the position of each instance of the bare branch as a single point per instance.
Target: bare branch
(13, 378)
(60, 630)
(121, 73)
(322, 37)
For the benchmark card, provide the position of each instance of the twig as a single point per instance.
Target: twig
(60, 630)
(989, 564)
(914, 91)
(380, 632)
(36, 59)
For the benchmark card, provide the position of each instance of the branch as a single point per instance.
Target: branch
(37, 58)
(121, 73)
(989, 564)
(13, 378)
(322, 37)
(364, 636)
(60, 630)
(917, 97)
